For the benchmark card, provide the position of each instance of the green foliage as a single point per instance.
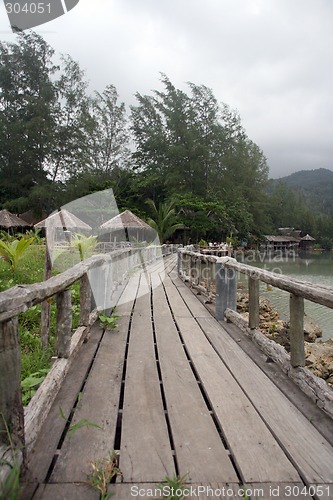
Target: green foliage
(83, 422)
(84, 244)
(106, 321)
(31, 383)
(12, 252)
(164, 219)
(103, 471)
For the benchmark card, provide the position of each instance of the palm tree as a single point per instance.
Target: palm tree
(164, 219)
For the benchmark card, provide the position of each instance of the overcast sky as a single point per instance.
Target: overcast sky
(269, 59)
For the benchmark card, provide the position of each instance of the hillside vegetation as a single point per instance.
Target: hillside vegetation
(315, 186)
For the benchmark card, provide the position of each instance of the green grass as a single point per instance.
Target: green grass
(35, 361)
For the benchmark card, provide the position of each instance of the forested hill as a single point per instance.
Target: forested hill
(316, 186)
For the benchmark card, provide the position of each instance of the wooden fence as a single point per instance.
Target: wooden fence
(206, 273)
(20, 426)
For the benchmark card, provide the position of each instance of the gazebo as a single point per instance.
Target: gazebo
(307, 242)
(127, 227)
(10, 221)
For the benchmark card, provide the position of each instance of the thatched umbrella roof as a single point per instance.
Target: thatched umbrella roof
(64, 219)
(7, 220)
(308, 238)
(125, 220)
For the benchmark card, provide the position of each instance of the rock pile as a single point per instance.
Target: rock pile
(319, 355)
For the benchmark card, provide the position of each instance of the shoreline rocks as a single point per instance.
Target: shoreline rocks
(319, 354)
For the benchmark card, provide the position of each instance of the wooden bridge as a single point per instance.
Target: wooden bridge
(177, 393)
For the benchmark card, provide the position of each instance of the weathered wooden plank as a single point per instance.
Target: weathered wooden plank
(245, 432)
(197, 309)
(44, 449)
(71, 491)
(145, 453)
(39, 406)
(177, 304)
(306, 447)
(321, 294)
(296, 333)
(85, 300)
(64, 323)
(46, 306)
(253, 303)
(98, 404)
(21, 297)
(11, 409)
(193, 430)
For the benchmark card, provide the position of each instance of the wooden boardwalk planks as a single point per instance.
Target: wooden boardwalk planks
(299, 438)
(263, 431)
(145, 453)
(199, 450)
(255, 450)
(98, 404)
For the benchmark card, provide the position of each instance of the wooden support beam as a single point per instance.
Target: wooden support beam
(253, 303)
(296, 332)
(85, 300)
(11, 408)
(232, 289)
(64, 323)
(221, 291)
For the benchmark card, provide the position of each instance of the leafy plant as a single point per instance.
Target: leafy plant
(31, 383)
(5, 236)
(85, 244)
(106, 321)
(176, 487)
(83, 422)
(164, 219)
(12, 252)
(35, 234)
(103, 471)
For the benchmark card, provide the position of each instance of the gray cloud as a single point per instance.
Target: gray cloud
(269, 59)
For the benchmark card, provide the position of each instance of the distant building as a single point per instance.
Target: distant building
(290, 239)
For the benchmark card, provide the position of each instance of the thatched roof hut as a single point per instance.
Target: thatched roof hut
(125, 220)
(126, 227)
(9, 220)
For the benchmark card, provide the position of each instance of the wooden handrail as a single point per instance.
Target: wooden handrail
(24, 425)
(226, 269)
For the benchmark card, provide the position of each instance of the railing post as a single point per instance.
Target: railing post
(85, 300)
(45, 305)
(179, 263)
(221, 291)
(11, 408)
(64, 323)
(253, 303)
(297, 354)
(232, 289)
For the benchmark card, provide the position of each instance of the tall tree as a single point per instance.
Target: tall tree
(108, 137)
(28, 114)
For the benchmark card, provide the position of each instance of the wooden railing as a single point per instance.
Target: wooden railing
(220, 273)
(20, 426)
